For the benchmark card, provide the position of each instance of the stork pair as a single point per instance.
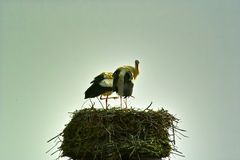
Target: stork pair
(120, 82)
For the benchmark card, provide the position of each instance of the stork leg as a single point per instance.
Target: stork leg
(106, 99)
(106, 102)
(126, 103)
(121, 102)
(101, 98)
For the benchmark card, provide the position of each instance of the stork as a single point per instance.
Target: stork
(101, 86)
(122, 80)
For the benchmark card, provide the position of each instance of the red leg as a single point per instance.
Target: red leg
(126, 102)
(106, 102)
(121, 102)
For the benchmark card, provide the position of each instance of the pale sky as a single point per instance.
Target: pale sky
(189, 53)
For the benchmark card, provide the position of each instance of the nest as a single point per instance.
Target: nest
(118, 134)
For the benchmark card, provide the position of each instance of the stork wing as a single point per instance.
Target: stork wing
(115, 79)
(98, 78)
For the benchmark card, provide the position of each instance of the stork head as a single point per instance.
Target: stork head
(136, 70)
(137, 62)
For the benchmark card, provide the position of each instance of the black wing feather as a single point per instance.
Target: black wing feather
(98, 78)
(96, 90)
(128, 84)
(115, 79)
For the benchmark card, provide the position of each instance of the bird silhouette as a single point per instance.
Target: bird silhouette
(122, 80)
(101, 86)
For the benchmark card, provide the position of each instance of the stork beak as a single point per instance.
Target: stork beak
(137, 62)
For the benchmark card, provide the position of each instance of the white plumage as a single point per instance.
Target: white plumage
(122, 80)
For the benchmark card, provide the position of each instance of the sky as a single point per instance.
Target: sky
(189, 65)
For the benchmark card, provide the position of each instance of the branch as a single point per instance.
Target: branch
(55, 137)
(148, 106)
(100, 102)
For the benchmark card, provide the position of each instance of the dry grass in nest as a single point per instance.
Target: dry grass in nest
(119, 134)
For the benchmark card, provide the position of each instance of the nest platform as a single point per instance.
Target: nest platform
(118, 134)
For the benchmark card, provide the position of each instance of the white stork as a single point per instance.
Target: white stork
(101, 86)
(122, 80)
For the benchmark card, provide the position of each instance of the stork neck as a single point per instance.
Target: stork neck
(136, 71)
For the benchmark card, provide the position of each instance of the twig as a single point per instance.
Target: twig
(109, 135)
(180, 129)
(173, 131)
(59, 156)
(53, 147)
(178, 137)
(59, 139)
(181, 134)
(55, 152)
(100, 102)
(177, 152)
(83, 103)
(55, 137)
(148, 107)
(92, 103)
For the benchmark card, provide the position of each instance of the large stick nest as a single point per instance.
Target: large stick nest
(116, 134)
